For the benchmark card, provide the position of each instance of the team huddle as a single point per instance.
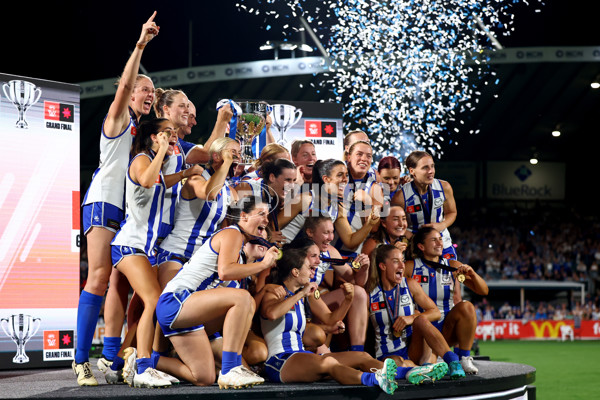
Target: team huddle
(290, 269)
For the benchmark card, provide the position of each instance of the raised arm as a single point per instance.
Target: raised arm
(324, 314)
(228, 243)
(272, 307)
(117, 118)
(472, 279)
(146, 172)
(353, 239)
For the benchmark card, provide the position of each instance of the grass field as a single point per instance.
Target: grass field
(568, 370)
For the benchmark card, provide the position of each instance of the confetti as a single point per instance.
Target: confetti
(401, 68)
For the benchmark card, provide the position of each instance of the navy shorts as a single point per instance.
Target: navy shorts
(118, 253)
(274, 365)
(167, 310)
(163, 256)
(104, 215)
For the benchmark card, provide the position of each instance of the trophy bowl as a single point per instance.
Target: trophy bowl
(20, 328)
(284, 117)
(23, 95)
(250, 123)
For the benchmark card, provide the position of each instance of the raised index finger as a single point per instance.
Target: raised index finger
(152, 17)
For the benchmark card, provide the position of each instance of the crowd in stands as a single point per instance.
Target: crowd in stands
(524, 244)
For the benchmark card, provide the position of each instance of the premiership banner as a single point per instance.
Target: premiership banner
(39, 221)
(538, 329)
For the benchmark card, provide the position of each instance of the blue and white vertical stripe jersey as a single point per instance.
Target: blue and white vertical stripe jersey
(354, 211)
(293, 228)
(195, 221)
(201, 272)
(108, 182)
(284, 335)
(143, 213)
(418, 213)
(173, 164)
(437, 284)
(382, 318)
(322, 269)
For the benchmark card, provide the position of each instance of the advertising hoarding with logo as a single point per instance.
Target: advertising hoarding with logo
(516, 180)
(39, 221)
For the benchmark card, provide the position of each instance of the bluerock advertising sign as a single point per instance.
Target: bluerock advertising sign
(523, 181)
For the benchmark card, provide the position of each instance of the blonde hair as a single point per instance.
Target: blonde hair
(138, 78)
(218, 146)
(268, 153)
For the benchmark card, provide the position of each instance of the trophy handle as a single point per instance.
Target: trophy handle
(297, 116)
(8, 97)
(38, 92)
(36, 323)
(4, 324)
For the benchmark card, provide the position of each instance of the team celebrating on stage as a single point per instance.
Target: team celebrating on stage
(291, 269)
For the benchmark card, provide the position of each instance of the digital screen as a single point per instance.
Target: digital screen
(321, 123)
(39, 220)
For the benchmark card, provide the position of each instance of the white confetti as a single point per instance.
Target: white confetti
(402, 68)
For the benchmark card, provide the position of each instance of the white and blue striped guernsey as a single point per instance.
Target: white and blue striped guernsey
(143, 213)
(322, 269)
(293, 228)
(353, 213)
(108, 181)
(173, 164)
(284, 335)
(201, 271)
(195, 221)
(418, 214)
(437, 284)
(381, 318)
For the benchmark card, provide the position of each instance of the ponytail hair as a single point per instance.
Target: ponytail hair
(142, 143)
(378, 256)
(419, 237)
(294, 256)
(245, 204)
(324, 168)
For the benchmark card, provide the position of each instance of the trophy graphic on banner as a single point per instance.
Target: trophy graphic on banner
(23, 95)
(284, 117)
(250, 123)
(20, 328)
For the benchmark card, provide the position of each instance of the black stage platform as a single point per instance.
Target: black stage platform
(504, 380)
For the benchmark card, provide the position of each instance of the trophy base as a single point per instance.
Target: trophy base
(22, 125)
(20, 359)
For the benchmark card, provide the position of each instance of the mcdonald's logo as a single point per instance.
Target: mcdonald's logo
(540, 330)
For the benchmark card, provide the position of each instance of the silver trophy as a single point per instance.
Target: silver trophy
(23, 95)
(284, 117)
(249, 124)
(20, 328)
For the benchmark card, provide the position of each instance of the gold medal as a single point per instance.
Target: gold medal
(317, 294)
(279, 254)
(397, 333)
(460, 277)
(355, 265)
